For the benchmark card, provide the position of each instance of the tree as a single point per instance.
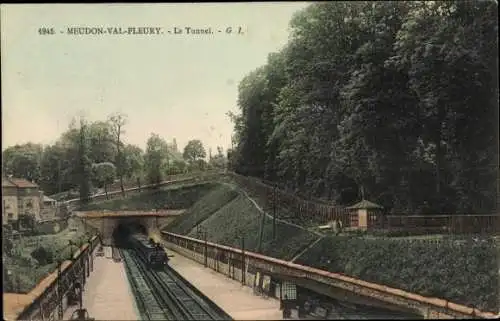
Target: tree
(378, 100)
(219, 160)
(155, 159)
(178, 167)
(193, 151)
(117, 122)
(53, 177)
(104, 174)
(133, 163)
(23, 161)
(102, 143)
(84, 167)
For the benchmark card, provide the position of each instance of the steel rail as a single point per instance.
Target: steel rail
(181, 300)
(145, 297)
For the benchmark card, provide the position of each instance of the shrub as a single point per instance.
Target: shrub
(43, 256)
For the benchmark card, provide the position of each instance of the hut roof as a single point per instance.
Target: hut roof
(364, 204)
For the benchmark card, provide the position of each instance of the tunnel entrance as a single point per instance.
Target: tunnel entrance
(124, 229)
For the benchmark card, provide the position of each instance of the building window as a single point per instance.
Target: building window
(10, 216)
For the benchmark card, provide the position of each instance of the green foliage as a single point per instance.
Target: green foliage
(463, 272)
(33, 258)
(219, 160)
(103, 174)
(374, 99)
(194, 151)
(43, 256)
(133, 165)
(23, 161)
(156, 159)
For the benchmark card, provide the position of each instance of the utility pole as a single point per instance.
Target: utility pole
(274, 212)
(59, 178)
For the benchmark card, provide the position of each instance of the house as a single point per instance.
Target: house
(20, 197)
(48, 202)
(9, 202)
(48, 207)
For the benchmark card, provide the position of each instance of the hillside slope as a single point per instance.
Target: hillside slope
(461, 272)
(227, 215)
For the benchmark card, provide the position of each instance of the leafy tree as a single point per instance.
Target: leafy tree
(155, 159)
(178, 167)
(219, 160)
(54, 170)
(133, 163)
(193, 151)
(23, 161)
(102, 142)
(104, 174)
(117, 121)
(84, 165)
(378, 100)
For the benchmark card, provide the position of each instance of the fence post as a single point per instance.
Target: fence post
(59, 290)
(206, 250)
(243, 274)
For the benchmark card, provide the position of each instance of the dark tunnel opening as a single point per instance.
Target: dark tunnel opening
(124, 229)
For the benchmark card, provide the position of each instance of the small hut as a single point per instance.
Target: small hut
(365, 214)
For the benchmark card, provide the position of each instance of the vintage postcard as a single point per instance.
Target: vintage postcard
(250, 161)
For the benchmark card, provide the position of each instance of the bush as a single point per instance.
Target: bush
(43, 256)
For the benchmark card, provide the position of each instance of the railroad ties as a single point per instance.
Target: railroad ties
(163, 294)
(148, 305)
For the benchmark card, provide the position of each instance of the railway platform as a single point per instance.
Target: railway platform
(236, 300)
(107, 294)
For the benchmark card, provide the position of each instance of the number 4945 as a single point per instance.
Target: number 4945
(46, 31)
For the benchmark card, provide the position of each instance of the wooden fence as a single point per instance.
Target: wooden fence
(299, 210)
(456, 224)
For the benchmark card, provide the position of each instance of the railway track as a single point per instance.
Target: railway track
(149, 307)
(168, 294)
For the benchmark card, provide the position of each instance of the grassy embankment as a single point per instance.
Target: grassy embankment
(227, 215)
(461, 272)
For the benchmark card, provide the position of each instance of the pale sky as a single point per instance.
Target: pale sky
(176, 85)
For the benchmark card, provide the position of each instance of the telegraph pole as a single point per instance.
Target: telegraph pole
(274, 212)
(59, 178)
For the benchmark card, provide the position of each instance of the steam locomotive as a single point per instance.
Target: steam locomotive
(148, 250)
